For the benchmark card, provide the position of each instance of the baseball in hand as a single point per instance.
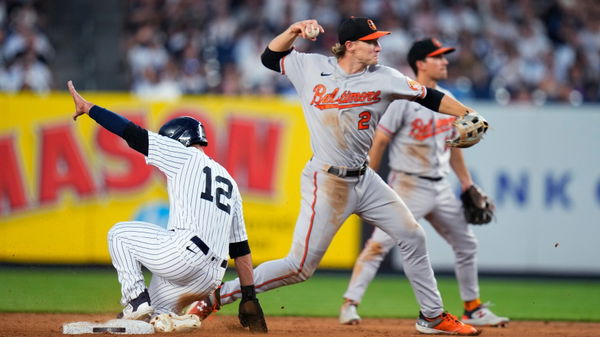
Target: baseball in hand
(311, 31)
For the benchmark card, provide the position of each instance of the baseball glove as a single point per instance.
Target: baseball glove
(251, 316)
(468, 130)
(478, 208)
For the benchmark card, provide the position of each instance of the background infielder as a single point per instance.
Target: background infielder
(343, 98)
(420, 161)
(188, 259)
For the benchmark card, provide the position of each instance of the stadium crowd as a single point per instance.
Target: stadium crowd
(507, 50)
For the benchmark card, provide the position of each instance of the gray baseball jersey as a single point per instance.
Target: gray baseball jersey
(342, 112)
(419, 137)
(187, 258)
(417, 151)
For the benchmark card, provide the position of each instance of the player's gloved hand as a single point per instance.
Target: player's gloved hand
(478, 207)
(250, 313)
(468, 130)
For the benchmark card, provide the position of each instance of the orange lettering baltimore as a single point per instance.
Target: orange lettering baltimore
(347, 99)
(421, 130)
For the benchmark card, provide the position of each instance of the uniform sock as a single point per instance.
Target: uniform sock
(471, 305)
(347, 300)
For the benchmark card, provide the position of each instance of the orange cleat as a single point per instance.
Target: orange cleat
(444, 324)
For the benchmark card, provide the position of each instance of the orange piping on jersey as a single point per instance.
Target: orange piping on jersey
(306, 241)
(282, 65)
(385, 130)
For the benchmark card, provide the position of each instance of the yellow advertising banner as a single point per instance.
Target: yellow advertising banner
(64, 184)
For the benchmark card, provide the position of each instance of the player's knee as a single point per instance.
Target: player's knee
(116, 231)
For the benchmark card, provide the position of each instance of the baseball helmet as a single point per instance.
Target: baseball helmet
(186, 130)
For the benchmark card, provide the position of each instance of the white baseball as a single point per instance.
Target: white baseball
(311, 31)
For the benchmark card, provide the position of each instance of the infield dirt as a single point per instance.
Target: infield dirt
(28, 324)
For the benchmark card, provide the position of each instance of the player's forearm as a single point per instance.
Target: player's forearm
(284, 41)
(243, 266)
(457, 162)
(380, 142)
(136, 136)
(450, 106)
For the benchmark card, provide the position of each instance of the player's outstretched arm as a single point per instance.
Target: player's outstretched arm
(136, 136)
(451, 106)
(285, 40)
(250, 312)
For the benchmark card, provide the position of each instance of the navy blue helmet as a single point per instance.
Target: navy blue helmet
(186, 130)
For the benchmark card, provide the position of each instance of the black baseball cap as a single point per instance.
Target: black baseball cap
(426, 48)
(362, 29)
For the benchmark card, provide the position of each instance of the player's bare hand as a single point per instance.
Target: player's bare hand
(307, 29)
(81, 105)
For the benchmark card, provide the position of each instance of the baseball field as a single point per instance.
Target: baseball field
(35, 301)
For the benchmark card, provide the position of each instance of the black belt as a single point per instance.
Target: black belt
(425, 177)
(204, 248)
(343, 172)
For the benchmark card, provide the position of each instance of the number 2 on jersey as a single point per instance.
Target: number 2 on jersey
(220, 192)
(363, 122)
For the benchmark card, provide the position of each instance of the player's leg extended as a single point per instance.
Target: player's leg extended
(448, 220)
(326, 203)
(381, 206)
(419, 201)
(367, 264)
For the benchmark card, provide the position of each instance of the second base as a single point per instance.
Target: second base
(114, 326)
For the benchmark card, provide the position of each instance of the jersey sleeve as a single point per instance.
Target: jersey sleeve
(294, 65)
(167, 154)
(391, 122)
(404, 87)
(238, 226)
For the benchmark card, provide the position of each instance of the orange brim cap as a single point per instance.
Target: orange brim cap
(374, 36)
(440, 51)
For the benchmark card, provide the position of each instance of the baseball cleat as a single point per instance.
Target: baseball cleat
(175, 323)
(483, 316)
(444, 324)
(206, 306)
(138, 308)
(348, 314)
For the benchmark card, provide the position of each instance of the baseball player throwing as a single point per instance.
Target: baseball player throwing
(343, 98)
(420, 160)
(188, 259)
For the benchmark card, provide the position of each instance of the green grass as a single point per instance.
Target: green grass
(90, 291)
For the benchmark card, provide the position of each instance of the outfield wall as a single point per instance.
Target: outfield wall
(542, 168)
(64, 184)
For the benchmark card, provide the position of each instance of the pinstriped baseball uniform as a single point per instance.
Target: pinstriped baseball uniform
(417, 151)
(188, 258)
(342, 112)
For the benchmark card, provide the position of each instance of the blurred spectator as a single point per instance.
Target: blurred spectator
(24, 48)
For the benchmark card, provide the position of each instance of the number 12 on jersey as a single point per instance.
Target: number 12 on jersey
(220, 192)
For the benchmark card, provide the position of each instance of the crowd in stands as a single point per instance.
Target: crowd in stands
(519, 50)
(507, 50)
(25, 51)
